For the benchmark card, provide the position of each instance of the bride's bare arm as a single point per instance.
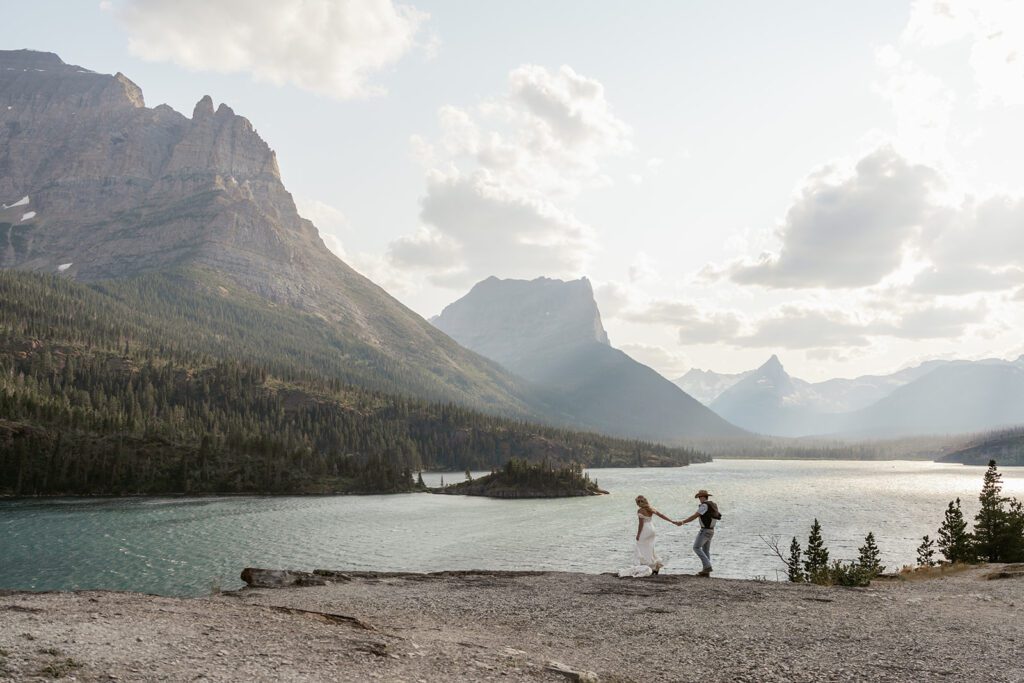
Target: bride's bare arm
(639, 527)
(664, 517)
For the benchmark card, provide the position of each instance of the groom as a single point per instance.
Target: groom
(707, 512)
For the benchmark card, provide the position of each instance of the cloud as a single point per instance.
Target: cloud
(848, 232)
(501, 175)
(937, 322)
(326, 47)
(797, 328)
(695, 326)
(476, 227)
(922, 104)
(954, 279)
(668, 363)
(986, 233)
(994, 32)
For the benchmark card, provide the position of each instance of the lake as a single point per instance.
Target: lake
(190, 546)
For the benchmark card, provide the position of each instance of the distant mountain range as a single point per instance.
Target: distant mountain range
(550, 332)
(936, 397)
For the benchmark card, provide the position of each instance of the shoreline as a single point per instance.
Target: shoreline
(527, 626)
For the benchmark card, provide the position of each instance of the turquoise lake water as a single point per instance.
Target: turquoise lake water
(190, 546)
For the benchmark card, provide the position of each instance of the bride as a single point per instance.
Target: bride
(645, 557)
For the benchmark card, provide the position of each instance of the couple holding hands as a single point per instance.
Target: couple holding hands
(646, 559)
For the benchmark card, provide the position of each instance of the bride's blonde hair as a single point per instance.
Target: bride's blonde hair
(644, 506)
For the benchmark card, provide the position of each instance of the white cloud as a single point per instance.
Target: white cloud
(848, 231)
(922, 104)
(989, 233)
(327, 47)
(937, 322)
(794, 327)
(994, 32)
(500, 176)
(955, 279)
(694, 324)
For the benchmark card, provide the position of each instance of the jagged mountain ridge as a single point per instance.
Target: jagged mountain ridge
(119, 190)
(550, 332)
(915, 400)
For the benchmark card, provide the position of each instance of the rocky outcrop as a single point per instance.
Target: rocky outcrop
(515, 321)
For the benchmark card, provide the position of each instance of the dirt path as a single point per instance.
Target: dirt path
(490, 626)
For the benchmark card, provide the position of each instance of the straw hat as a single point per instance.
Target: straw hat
(702, 493)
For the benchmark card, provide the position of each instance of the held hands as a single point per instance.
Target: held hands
(679, 523)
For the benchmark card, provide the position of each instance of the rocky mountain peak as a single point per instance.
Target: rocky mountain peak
(510, 319)
(203, 108)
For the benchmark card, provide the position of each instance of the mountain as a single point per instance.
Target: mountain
(97, 187)
(935, 397)
(1006, 447)
(111, 391)
(707, 385)
(951, 399)
(768, 401)
(550, 332)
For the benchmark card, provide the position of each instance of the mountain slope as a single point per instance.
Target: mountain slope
(951, 399)
(707, 385)
(550, 332)
(111, 392)
(107, 188)
(769, 401)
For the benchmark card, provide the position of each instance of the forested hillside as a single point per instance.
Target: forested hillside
(136, 386)
(1006, 447)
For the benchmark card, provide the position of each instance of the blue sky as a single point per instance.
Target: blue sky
(837, 183)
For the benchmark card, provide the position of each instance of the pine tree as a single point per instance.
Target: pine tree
(794, 572)
(926, 553)
(469, 475)
(816, 561)
(419, 480)
(991, 522)
(955, 541)
(869, 559)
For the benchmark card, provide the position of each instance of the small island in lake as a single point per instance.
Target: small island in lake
(522, 479)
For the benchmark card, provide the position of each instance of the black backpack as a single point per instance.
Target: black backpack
(713, 509)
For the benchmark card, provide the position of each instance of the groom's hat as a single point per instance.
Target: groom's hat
(703, 493)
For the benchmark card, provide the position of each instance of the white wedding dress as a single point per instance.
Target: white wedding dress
(645, 558)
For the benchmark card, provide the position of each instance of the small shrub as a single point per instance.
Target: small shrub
(60, 668)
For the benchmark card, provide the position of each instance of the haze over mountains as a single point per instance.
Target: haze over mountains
(936, 397)
(550, 332)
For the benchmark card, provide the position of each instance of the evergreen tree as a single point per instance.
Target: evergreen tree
(955, 541)
(816, 562)
(794, 571)
(869, 559)
(991, 524)
(926, 553)
(469, 475)
(419, 480)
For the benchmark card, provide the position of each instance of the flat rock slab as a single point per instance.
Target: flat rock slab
(529, 626)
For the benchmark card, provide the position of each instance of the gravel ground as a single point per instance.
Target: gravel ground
(483, 626)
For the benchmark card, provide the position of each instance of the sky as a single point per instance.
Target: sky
(840, 184)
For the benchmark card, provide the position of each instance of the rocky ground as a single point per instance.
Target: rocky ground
(479, 626)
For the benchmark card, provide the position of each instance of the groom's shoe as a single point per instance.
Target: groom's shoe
(704, 572)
